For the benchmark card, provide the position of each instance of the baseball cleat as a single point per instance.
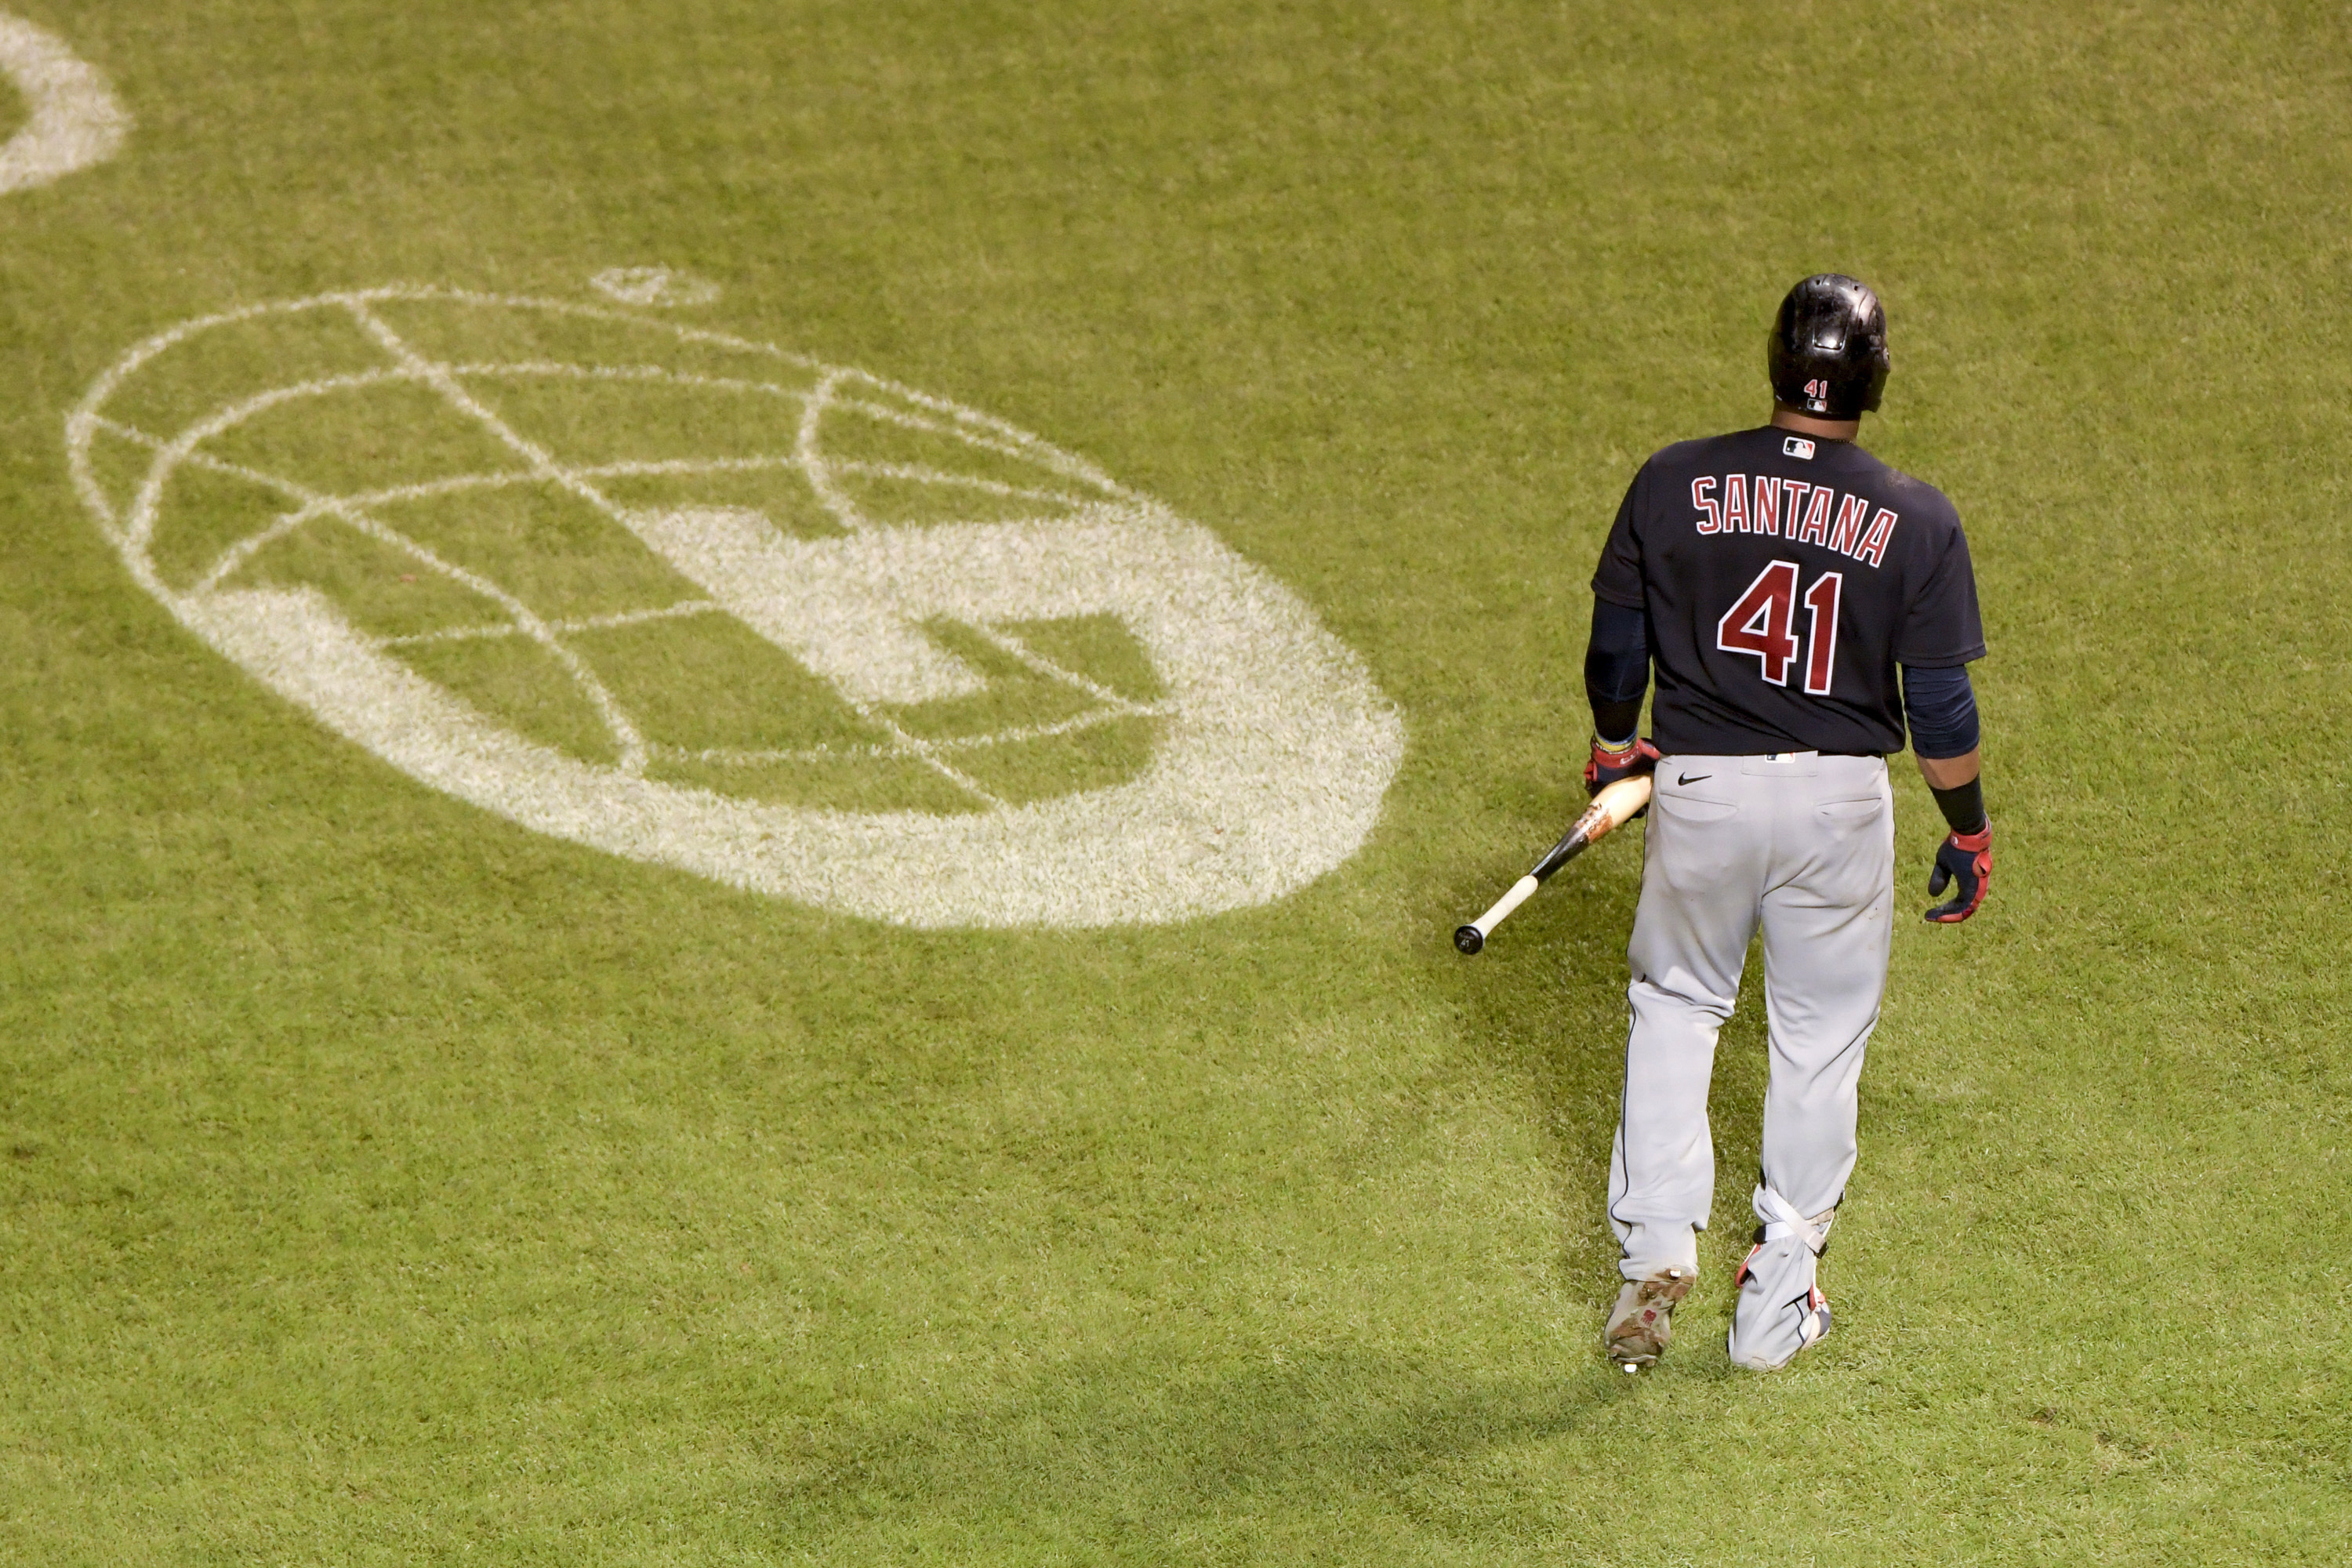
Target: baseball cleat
(1781, 1310)
(1766, 1334)
(1642, 1321)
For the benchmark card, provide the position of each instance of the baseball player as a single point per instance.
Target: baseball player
(1778, 580)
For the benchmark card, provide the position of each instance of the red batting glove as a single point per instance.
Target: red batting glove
(1964, 862)
(1609, 763)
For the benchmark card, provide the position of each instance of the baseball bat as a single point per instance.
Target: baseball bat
(1610, 810)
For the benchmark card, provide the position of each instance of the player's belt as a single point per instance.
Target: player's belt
(1805, 756)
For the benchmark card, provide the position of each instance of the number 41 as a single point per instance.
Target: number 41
(1760, 623)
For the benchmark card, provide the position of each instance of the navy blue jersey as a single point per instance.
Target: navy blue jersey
(1785, 577)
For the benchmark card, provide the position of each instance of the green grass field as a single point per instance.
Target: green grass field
(388, 1184)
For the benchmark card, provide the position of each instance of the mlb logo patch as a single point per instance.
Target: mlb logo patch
(1797, 446)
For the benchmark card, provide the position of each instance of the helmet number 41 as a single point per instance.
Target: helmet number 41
(1762, 623)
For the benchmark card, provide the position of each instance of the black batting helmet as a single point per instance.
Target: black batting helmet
(1828, 354)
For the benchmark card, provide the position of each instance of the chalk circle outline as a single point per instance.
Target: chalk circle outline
(1276, 753)
(73, 120)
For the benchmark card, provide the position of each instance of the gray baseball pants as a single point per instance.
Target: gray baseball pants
(1802, 846)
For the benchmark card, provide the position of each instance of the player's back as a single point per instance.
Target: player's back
(1785, 577)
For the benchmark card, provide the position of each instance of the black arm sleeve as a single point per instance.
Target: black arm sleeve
(1940, 704)
(1963, 806)
(1617, 668)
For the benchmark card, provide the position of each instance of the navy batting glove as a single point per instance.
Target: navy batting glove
(1609, 763)
(1964, 864)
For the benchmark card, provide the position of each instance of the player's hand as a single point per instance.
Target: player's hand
(1964, 863)
(1610, 763)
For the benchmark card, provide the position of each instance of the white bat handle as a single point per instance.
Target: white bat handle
(1521, 891)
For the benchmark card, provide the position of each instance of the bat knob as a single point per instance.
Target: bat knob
(1468, 939)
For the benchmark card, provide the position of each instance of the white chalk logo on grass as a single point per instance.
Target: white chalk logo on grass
(73, 119)
(700, 602)
(653, 286)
